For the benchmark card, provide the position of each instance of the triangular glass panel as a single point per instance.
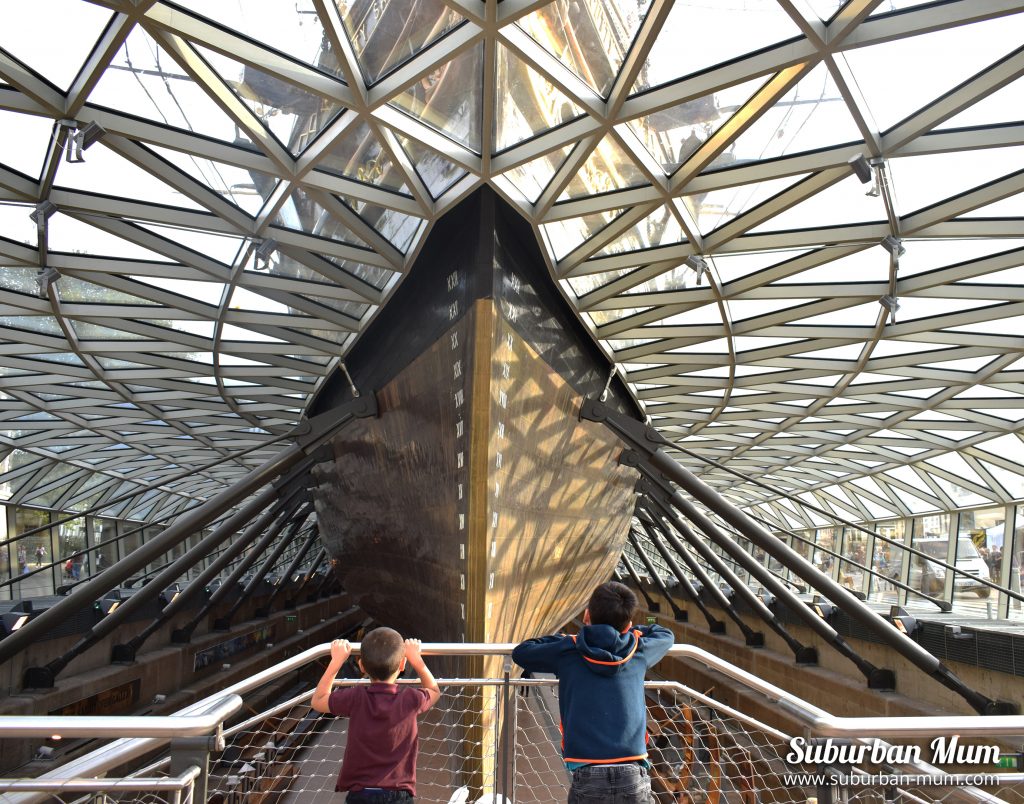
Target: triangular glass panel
(811, 115)
(715, 209)
(104, 169)
(71, 235)
(930, 72)
(297, 33)
(334, 336)
(31, 33)
(672, 135)
(303, 213)
(450, 99)
(26, 141)
(386, 35)
(713, 36)
(921, 181)
(825, 9)
(861, 266)
(608, 168)
(397, 227)
(660, 228)
(76, 290)
(293, 115)
(563, 236)
(371, 274)
(590, 37)
(842, 203)
(1011, 481)
(582, 285)
(1009, 207)
(96, 332)
(359, 155)
(213, 245)
(143, 80)
(1002, 106)
(926, 255)
(437, 172)
(247, 189)
(526, 103)
(897, 5)
(531, 179)
(19, 280)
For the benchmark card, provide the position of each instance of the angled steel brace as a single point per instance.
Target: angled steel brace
(224, 623)
(653, 572)
(265, 609)
(715, 626)
(752, 638)
(650, 442)
(127, 651)
(652, 604)
(291, 602)
(184, 633)
(803, 653)
(308, 435)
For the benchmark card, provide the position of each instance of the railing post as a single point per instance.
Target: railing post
(504, 758)
(513, 721)
(193, 751)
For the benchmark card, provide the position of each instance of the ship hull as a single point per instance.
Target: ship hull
(477, 506)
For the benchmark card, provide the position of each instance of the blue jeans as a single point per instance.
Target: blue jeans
(610, 784)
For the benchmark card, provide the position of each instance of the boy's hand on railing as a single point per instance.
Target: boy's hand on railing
(412, 652)
(340, 651)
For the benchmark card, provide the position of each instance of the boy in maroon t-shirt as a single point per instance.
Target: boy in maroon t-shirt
(380, 757)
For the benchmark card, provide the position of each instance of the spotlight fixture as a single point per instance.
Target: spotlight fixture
(80, 139)
(892, 304)
(42, 213)
(822, 608)
(698, 265)
(894, 245)
(860, 167)
(263, 252)
(903, 621)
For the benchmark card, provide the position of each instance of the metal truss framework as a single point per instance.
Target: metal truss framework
(250, 206)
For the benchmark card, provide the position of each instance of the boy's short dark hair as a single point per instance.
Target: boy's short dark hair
(381, 652)
(612, 603)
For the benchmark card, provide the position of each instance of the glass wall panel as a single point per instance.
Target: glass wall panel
(826, 540)
(38, 551)
(930, 535)
(887, 561)
(979, 555)
(131, 537)
(105, 536)
(854, 552)
(1016, 611)
(72, 539)
(11, 561)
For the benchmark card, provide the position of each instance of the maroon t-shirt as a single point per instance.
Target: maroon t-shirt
(382, 735)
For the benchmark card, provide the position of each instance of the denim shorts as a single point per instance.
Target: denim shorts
(611, 784)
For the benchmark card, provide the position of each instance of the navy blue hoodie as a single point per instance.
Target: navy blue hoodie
(600, 688)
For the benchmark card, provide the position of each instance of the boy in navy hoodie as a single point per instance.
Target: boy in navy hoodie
(601, 696)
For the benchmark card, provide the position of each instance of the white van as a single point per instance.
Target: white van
(930, 578)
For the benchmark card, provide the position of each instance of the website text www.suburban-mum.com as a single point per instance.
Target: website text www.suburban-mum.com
(890, 779)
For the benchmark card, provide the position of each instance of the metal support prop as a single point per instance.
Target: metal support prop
(264, 610)
(803, 653)
(650, 442)
(184, 633)
(766, 578)
(715, 625)
(652, 604)
(651, 570)
(167, 576)
(679, 614)
(754, 639)
(705, 582)
(199, 583)
(308, 436)
(283, 542)
(316, 562)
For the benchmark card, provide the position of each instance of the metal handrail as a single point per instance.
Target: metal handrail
(80, 785)
(813, 717)
(195, 725)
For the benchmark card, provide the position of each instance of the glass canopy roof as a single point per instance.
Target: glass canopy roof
(796, 226)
